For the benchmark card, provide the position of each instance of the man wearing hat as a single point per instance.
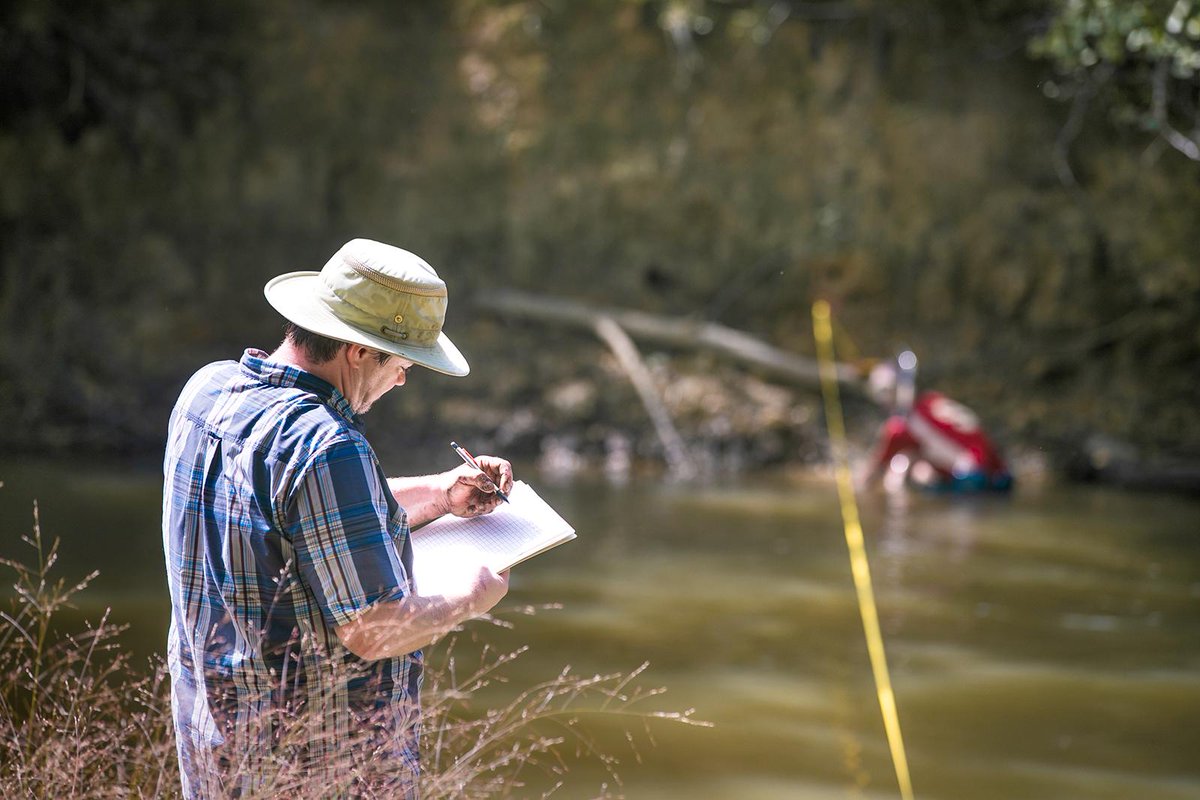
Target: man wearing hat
(296, 628)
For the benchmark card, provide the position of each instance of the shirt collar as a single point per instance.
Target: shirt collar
(274, 373)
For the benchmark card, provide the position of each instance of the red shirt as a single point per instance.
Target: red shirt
(944, 433)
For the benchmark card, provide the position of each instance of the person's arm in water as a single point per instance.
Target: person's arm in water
(410, 623)
(892, 440)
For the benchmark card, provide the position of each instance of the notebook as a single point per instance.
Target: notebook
(516, 531)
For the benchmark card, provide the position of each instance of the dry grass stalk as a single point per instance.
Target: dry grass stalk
(77, 720)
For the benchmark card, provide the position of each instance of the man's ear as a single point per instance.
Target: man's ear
(356, 354)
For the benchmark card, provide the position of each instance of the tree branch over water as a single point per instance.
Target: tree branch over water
(686, 333)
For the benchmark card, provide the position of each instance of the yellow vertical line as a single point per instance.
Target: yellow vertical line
(823, 332)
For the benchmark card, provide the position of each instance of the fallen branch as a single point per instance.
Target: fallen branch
(665, 330)
(631, 362)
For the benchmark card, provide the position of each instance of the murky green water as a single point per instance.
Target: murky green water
(1044, 646)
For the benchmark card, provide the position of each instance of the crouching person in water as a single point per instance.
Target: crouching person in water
(929, 439)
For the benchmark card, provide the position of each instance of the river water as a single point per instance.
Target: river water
(1043, 646)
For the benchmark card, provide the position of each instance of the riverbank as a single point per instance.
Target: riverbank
(562, 400)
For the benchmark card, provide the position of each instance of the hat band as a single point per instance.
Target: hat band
(372, 324)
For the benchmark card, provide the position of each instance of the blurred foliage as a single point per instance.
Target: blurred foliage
(1143, 57)
(724, 159)
(1084, 33)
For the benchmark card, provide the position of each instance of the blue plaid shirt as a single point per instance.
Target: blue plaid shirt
(278, 526)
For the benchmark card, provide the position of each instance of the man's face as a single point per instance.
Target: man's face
(377, 380)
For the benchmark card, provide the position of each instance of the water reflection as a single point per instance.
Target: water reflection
(1042, 646)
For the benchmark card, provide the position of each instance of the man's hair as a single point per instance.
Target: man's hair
(317, 348)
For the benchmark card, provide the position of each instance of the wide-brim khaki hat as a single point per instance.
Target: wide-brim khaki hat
(375, 295)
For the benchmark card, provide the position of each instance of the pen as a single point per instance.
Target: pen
(470, 460)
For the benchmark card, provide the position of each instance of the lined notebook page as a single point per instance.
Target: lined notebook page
(514, 532)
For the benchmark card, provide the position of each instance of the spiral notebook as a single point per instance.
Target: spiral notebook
(516, 531)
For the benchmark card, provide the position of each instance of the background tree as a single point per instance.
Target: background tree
(1139, 63)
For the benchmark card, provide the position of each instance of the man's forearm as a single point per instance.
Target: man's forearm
(403, 626)
(397, 627)
(423, 498)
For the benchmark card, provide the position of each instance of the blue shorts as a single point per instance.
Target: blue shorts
(975, 481)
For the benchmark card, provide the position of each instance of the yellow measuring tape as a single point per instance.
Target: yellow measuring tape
(823, 331)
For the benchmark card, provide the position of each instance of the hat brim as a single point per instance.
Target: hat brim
(294, 296)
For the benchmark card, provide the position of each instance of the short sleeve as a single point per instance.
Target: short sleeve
(341, 524)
